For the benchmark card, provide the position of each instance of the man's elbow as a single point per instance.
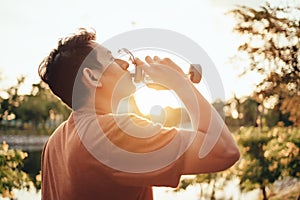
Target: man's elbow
(235, 154)
(232, 155)
(222, 160)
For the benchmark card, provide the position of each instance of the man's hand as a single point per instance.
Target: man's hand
(163, 71)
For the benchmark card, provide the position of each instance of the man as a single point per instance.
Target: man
(99, 154)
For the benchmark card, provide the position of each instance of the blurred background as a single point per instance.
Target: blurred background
(254, 45)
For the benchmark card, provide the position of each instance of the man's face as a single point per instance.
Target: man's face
(115, 76)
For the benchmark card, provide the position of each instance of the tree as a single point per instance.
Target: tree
(9, 105)
(39, 105)
(250, 111)
(35, 108)
(219, 106)
(244, 110)
(209, 179)
(11, 176)
(272, 42)
(267, 157)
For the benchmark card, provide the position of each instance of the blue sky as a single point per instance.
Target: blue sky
(30, 29)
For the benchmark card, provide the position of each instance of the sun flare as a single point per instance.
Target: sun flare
(149, 100)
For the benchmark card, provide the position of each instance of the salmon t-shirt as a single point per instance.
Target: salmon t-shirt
(110, 157)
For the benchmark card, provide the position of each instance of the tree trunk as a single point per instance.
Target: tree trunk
(212, 197)
(263, 190)
(201, 192)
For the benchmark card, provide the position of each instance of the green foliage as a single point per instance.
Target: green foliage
(250, 111)
(11, 176)
(246, 109)
(33, 110)
(39, 105)
(9, 105)
(268, 156)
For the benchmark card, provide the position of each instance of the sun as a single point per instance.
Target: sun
(162, 106)
(150, 100)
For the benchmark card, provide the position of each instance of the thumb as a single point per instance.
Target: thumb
(140, 64)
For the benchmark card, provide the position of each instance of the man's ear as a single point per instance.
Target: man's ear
(91, 77)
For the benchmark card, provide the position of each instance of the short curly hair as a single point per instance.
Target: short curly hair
(60, 68)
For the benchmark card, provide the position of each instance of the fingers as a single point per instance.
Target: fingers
(156, 59)
(141, 65)
(165, 61)
(149, 60)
